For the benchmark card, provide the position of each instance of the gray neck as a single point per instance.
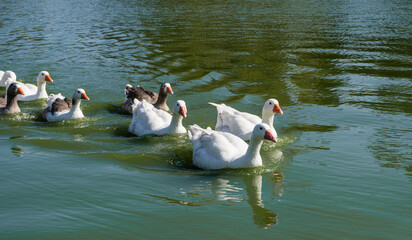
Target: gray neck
(161, 99)
(12, 104)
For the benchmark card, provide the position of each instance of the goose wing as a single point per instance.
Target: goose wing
(140, 94)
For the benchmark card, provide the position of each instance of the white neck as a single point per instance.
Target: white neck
(252, 156)
(175, 123)
(268, 118)
(76, 112)
(41, 90)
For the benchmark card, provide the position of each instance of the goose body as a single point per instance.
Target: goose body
(218, 150)
(241, 124)
(157, 99)
(10, 105)
(33, 92)
(7, 76)
(149, 120)
(60, 108)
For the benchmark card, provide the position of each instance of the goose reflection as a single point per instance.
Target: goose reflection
(17, 151)
(230, 192)
(262, 216)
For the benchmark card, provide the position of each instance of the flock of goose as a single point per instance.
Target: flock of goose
(224, 147)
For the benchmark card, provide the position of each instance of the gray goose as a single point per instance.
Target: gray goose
(60, 108)
(10, 106)
(139, 93)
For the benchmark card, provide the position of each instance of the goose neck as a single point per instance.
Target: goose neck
(175, 123)
(267, 117)
(162, 98)
(12, 102)
(253, 151)
(41, 89)
(76, 105)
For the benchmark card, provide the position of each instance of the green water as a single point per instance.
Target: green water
(341, 70)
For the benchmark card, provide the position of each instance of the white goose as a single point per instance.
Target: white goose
(8, 76)
(60, 108)
(217, 150)
(149, 120)
(33, 92)
(1, 75)
(241, 124)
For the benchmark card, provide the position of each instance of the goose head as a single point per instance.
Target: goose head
(166, 88)
(272, 106)
(262, 131)
(180, 108)
(43, 77)
(14, 89)
(80, 94)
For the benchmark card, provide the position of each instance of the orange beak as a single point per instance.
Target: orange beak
(20, 91)
(269, 136)
(48, 78)
(182, 111)
(276, 109)
(169, 90)
(85, 97)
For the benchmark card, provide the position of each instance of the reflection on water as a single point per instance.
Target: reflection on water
(262, 216)
(393, 148)
(175, 201)
(228, 191)
(340, 69)
(17, 151)
(278, 185)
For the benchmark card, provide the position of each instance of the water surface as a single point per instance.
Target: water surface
(341, 70)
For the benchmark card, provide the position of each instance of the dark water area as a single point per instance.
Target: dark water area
(341, 71)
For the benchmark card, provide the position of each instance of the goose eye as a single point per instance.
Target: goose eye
(261, 128)
(78, 91)
(42, 74)
(270, 103)
(178, 105)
